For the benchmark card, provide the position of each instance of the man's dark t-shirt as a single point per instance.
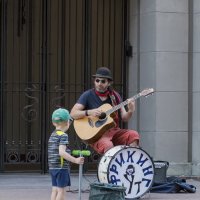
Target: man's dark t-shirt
(90, 100)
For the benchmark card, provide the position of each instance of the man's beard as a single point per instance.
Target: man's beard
(101, 90)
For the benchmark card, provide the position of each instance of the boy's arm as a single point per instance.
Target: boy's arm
(67, 156)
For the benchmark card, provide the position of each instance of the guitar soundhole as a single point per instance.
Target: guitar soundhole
(100, 122)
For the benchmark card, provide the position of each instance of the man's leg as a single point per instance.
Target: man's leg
(135, 143)
(104, 143)
(126, 137)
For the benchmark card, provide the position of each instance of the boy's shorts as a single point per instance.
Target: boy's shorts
(60, 177)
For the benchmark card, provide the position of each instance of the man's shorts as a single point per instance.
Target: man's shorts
(113, 137)
(60, 177)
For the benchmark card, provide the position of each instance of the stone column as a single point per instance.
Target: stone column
(160, 60)
(196, 90)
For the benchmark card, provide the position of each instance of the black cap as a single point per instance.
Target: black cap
(103, 72)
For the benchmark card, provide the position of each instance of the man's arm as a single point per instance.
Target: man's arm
(78, 111)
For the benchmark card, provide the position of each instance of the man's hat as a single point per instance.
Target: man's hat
(103, 72)
(61, 115)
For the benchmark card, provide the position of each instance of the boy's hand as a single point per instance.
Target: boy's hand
(80, 160)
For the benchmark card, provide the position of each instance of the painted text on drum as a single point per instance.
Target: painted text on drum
(142, 169)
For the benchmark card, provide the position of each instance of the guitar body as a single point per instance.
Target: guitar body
(90, 129)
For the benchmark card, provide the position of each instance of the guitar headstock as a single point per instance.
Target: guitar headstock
(147, 92)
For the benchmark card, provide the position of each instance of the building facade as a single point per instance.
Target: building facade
(49, 49)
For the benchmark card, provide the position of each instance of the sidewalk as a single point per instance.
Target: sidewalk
(38, 187)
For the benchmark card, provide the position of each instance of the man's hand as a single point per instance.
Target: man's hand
(95, 112)
(131, 106)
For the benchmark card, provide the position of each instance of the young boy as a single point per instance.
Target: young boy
(58, 158)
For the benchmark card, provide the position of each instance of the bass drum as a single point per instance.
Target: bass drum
(127, 166)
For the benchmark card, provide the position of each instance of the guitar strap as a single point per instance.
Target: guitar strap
(115, 99)
(113, 96)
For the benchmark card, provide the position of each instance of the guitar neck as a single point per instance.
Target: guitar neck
(115, 108)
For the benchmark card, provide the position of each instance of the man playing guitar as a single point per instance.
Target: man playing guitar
(89, 106)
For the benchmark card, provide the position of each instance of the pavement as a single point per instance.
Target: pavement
(38, 187)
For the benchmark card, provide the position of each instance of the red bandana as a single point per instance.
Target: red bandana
(105, 94)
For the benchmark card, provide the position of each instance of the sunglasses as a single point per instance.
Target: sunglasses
(100, 80)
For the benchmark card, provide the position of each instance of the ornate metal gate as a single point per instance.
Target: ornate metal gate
(49, 50)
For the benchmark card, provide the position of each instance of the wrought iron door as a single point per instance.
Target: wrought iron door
(49, 50)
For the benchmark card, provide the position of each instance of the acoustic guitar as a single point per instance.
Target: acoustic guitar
(90, 128)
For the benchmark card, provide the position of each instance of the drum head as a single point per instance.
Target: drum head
(132, 168)
(104, 162)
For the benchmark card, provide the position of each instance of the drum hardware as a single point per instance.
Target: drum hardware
(95, 157)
